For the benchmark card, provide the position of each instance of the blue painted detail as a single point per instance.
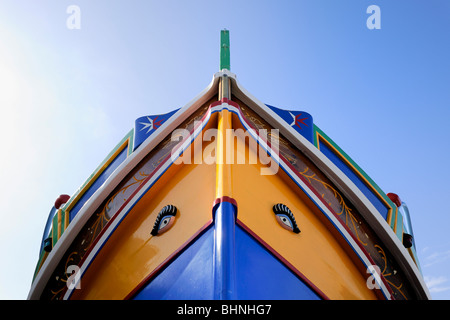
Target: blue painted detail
(224, 252)
(301, 121)
(98, 183)
(379, 205)
(407, 225)
(188, 277)
(145, 126)
(260, 275)
(48, 227)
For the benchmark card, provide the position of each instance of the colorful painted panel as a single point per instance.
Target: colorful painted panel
(363, 182)
(145, 126)
(100, 175)
(98, 182)
(301, 121)
(379, 205)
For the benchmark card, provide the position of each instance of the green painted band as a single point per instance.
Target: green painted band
(225, 50)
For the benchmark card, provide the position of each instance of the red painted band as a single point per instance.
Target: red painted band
(225, 199)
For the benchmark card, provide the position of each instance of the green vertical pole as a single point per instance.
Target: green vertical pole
(224, 50)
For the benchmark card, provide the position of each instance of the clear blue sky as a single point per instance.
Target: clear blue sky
(68, 96)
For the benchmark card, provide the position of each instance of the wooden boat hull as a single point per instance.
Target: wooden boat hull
(131, 263)
(182, 210)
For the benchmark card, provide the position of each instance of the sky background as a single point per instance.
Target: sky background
(68, 96)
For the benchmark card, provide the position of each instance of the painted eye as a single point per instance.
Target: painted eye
(285, 217)
(164, 220)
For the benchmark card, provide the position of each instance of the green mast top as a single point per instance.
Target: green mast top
(224, 50)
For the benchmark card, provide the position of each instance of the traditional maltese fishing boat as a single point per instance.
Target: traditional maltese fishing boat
(228, 198)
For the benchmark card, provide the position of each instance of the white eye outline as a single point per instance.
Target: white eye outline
(284, 219)
(164, 220)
